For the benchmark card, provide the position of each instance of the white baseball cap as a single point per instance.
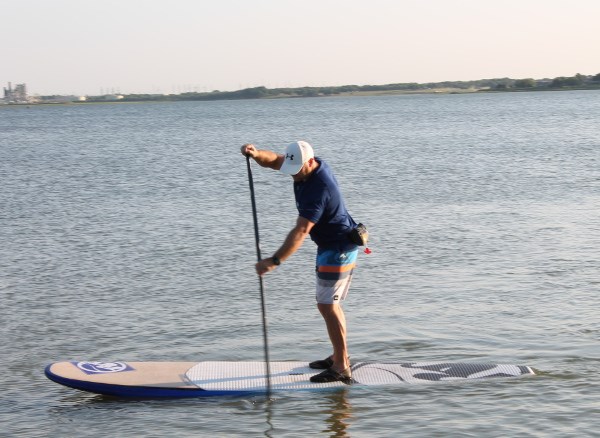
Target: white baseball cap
(296, 154)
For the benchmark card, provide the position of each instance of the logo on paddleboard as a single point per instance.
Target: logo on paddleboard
(102, 367)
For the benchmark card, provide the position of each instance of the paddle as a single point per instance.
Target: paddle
(260, 279)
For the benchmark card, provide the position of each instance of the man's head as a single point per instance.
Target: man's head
(296, 155)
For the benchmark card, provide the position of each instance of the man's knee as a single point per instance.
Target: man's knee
(328, 309)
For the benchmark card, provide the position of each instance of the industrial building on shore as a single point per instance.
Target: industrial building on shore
(18, 94)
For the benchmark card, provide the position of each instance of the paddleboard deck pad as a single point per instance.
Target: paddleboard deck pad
(204, 379)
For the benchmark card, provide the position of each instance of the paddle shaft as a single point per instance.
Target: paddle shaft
(260, 279)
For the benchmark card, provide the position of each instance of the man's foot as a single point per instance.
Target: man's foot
(331, 375)
(321, 364)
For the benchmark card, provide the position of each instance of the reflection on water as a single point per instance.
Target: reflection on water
(340, 411)
(269, 413)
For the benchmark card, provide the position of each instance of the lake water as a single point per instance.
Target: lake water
(126, 234)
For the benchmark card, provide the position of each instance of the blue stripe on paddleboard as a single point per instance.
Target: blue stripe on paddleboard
(138, 391)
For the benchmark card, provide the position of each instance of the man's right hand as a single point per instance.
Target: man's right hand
(249, 150)
(263, 157)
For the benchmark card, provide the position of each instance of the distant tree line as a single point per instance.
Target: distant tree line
(578, 81)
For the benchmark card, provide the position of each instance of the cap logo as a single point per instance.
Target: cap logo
(290, 156)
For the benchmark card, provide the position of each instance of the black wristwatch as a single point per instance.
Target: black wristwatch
(276, 260)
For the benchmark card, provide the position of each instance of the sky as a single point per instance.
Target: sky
(91, 47)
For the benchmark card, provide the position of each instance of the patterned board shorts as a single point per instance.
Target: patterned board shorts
(334, 274)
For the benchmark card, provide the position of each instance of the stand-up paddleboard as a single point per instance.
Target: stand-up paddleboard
(205, 379)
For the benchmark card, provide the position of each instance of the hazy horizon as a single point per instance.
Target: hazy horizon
(97, 47)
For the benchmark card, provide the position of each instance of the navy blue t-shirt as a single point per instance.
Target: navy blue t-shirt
(319, 200)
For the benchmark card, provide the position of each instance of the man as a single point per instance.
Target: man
(322, 215)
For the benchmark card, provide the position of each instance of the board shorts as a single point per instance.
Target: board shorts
(334, 274)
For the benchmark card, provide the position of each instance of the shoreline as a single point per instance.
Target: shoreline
(356, 93)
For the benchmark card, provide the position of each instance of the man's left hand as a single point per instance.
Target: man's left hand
(264, 266)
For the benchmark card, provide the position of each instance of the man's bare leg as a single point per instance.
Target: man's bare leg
(335, 320)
